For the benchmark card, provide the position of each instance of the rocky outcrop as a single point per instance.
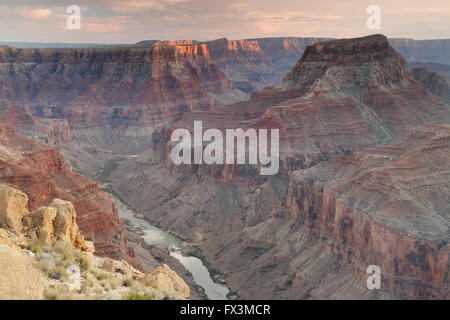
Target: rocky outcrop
(434, 82)
(165, 279)
(442, 69)
(56, 222)
(42, 173)
(39, 224)
(46, 224)
(382, 206)
(43, 254)
(13, 207)
(65, 225)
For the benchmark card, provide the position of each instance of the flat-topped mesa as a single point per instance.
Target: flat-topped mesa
(183, 48)
(226, 50)
(97, 86)
(362, 62)
(136, 54)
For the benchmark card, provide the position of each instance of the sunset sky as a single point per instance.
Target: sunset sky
(118, 21)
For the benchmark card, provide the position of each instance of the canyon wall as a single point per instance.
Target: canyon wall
(293, 235)
(308, 232)
(435, 82)
(94, 86)
(385, 206)
(253, 64)
(435, 51)
(43, 174)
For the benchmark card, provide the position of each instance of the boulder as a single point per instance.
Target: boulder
(65, 226)
(165, 279)
(13, 207)
(8, 238)
(39, 224)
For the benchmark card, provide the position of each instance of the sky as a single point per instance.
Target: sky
(118, 21)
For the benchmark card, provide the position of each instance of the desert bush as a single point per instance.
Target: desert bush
(129, 283)
(66, 251)
(58, 273)
(50, 294)
(83, 262)
(100, 275)
(45, 261)
(36, 246)
(53, 294)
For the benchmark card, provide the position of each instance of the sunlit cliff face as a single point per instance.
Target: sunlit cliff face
(120, 21)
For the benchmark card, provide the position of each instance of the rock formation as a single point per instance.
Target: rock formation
(253, 64)
(47, 224)
(39, 249)
(114, 84)
(12, 208)
(385, 206)
(434, 82)
(285, 236)
(165, 279)
(435, 51)
(42, 173)
(363, 157)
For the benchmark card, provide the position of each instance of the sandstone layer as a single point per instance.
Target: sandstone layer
(43, 174)
(44, 255)
(272, 238)
(436, 83)
(108, 85)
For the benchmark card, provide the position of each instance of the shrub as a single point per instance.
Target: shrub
(128, 282)
(66, 251)
(45, 261)
(58, 273)
(52, 294)
(37, 246)
(100, 275)
(83, 263)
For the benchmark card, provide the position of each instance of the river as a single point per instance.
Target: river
(153, 235)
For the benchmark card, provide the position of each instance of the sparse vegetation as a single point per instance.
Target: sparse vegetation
(139, 296)
(128, 282)
(53, 261)
(83, 263)
(66, 251)
(58, 273)
(37, 246)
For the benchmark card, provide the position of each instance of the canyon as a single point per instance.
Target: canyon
(282, 238)
(363, 156)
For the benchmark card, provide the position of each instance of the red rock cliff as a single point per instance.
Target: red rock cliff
(43, 174)
(104, 85)
(385, 206)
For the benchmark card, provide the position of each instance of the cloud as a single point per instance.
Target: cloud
(40, 13)
(129, 21)
(27, 12)
(136, 6)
